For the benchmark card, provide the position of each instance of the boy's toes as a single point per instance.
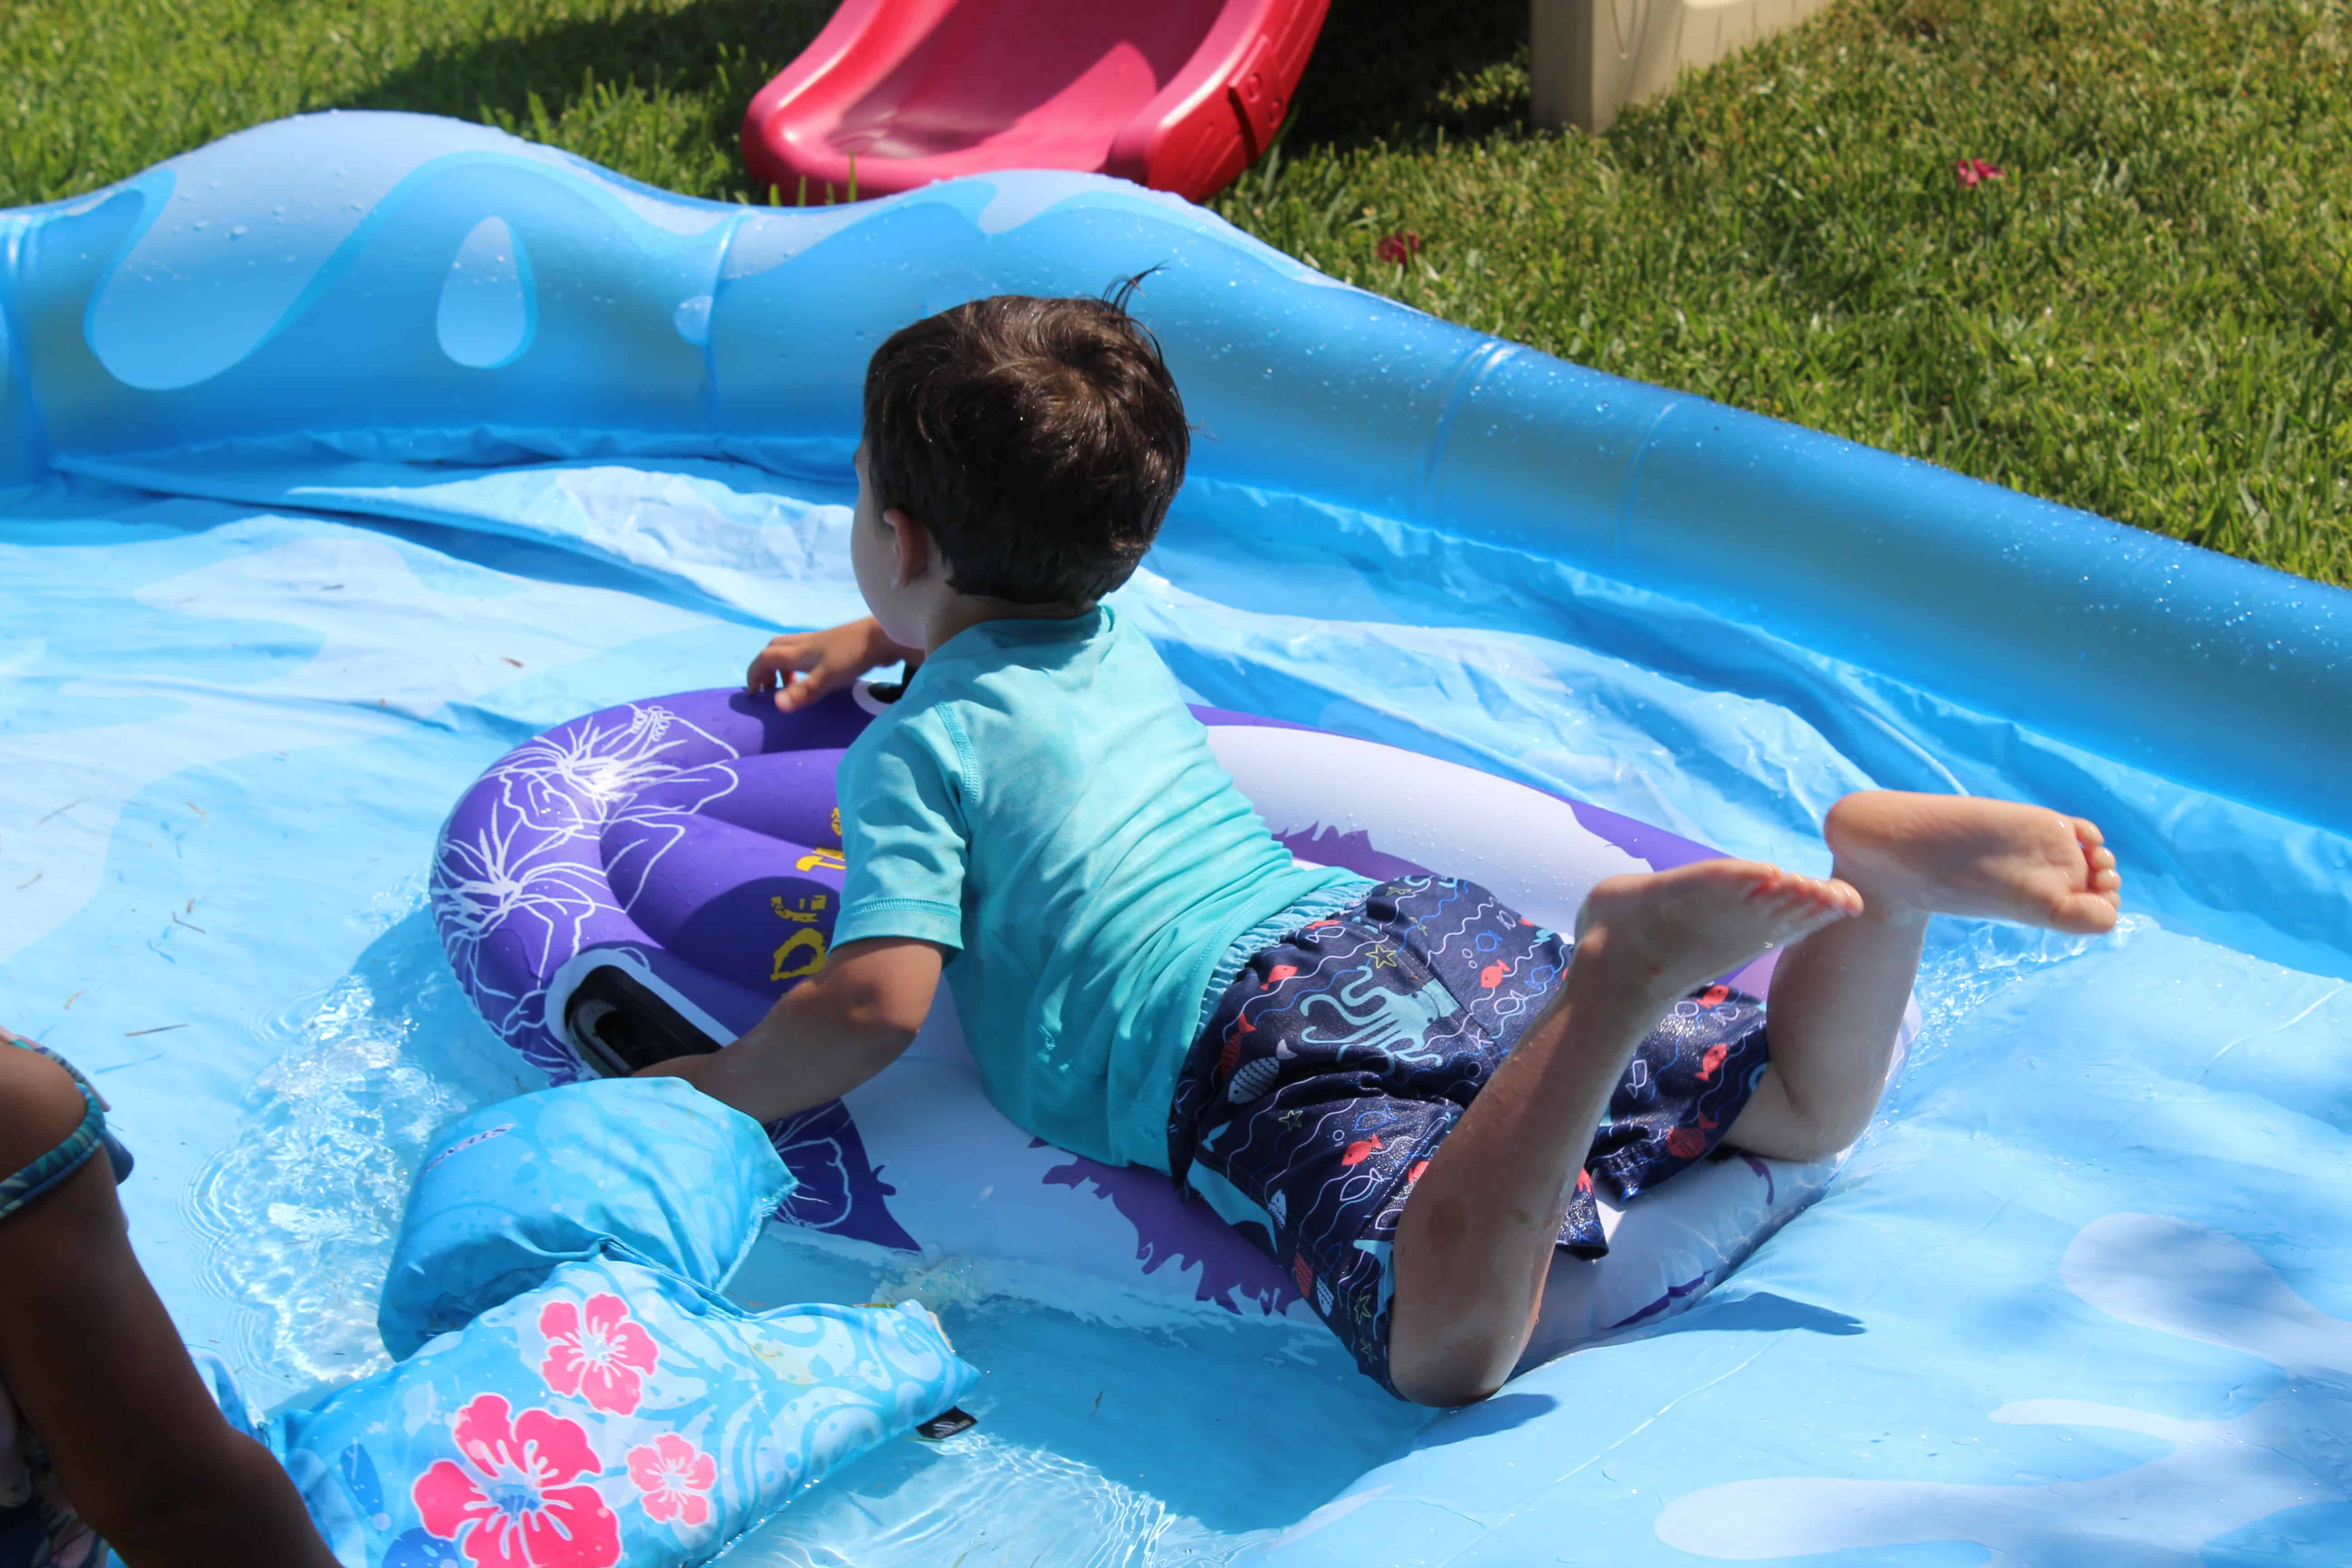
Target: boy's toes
(2086, 914)
(2102, 880)
(1805, 904)
(1805, 897)
(1835, 897)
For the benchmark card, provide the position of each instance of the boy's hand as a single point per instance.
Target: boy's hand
(802, 667)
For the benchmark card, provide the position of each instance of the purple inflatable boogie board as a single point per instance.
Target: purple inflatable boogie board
(647, 879)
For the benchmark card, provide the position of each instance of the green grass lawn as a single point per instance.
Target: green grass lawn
(2147, 315)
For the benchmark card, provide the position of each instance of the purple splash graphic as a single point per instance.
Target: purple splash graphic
(1350, 852)
(1674, 1294)
(1233, 718)
(1169, 1229)
(839, 1190)
(1661, 849)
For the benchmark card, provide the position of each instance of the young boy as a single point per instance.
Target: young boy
(1145, 975)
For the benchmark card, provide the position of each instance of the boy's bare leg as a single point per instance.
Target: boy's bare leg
(1838, 995)
(1475, 1240)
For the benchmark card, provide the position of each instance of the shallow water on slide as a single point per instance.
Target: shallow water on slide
(1130, 1439)
(231, 730)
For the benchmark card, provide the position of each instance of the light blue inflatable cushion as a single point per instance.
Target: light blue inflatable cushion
(649, 1169)
(614, 1416)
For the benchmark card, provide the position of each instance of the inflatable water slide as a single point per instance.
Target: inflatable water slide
(347, 463)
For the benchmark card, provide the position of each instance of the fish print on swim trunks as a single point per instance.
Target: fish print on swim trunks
(1335, 1064)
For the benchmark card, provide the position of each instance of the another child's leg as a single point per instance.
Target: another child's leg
(97, 1369)
(1475, 1240)
(1838, 995)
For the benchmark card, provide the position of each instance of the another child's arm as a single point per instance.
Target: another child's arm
(826, 1036)
(98, 1370)
(801, 666)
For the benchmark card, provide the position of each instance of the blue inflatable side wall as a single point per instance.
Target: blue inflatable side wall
(380, 286)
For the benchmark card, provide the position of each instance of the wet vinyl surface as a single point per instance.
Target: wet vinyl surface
(232, 732)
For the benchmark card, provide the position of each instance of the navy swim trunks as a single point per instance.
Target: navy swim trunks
(1333, 1066)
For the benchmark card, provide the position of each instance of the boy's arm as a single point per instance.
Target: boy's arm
(801, 666)
(824, 1036)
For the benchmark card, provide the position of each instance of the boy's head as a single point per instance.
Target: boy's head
(1038, 442)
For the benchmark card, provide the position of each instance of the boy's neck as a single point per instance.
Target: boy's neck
(961, 612)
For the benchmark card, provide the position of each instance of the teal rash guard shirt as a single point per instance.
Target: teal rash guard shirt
(1040, 801)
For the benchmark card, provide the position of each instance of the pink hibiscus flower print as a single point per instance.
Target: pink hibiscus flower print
(513, 1509)
(674, 1475)
(598, 1355)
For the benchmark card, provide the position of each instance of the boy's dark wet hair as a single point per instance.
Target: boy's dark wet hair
(1039, 440)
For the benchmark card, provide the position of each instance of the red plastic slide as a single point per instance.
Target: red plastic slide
(1178, 94)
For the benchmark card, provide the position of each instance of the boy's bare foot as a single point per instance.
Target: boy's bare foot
(1915, 855)
(1667, 932)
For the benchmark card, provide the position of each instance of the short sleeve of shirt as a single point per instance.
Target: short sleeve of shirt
(903, 835)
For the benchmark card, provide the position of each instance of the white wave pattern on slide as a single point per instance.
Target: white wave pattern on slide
(391, 652)
(531, 868)
(2292, 1449)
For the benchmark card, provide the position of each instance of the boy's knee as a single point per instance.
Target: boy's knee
(1783, 1121)
(1446, 1379)
(1446, 1393)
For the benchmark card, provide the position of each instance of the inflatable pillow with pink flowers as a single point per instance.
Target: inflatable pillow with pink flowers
(613, 1409)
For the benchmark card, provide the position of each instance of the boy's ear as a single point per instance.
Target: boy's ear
(913, 550)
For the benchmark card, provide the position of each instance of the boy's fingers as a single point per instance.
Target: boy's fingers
(802, 667)
(781, 655)
(822, 678)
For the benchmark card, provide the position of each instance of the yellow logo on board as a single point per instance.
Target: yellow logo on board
(804, 912)
(802, 955)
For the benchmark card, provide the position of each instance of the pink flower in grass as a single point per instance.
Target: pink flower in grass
(1974, 172)
(513, 1509)
(1400, 248)
(674, 1475)
(599, 1356)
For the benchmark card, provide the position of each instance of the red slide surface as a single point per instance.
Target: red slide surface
(1178, 94)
